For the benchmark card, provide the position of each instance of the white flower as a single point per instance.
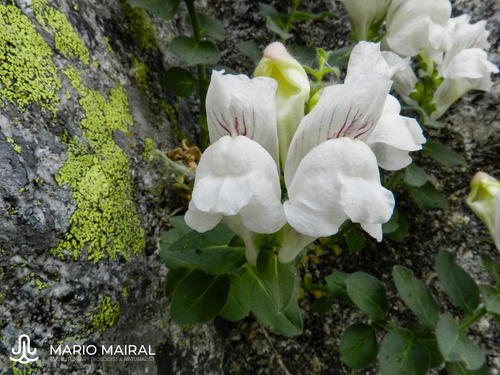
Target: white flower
(238, 174)
(484, 200)
(416, 25)
(465, 65)
(364, 13)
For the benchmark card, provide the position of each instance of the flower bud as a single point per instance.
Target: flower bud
(292, 93)
(484, 200)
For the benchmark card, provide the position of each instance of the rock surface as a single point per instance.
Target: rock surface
(75, 140)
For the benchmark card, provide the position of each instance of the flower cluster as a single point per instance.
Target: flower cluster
(329, 157)
(424, 29)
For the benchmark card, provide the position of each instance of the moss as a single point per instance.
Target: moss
(65, 38)
(141, 75)
(106, 315)
(141, 26)
(106, 219)
(27, 73)
(149, 146)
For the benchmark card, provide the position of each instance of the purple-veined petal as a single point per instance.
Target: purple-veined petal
(350, 110)
(394, 136)
(238, 176)
(336, 181)
(237, 105)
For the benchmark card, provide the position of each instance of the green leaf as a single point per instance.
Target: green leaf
(265, 308)
(226, 69)
(368, 294)
(427, 196)
(337, 286)
(492, 266)
(269, 11)
(491, 298)
(310, 16)
(175, 277)
(400, 354)
(322, 304)
(179, 81)
(459, 368)
(416, 296)
(340, 57)
(179, 229)
(455, 346)
(358, 346)
(415, 176)
(443, 154)
(194, 52)
(199, 297)
(305, 56)
(166, 9)
(236, 307)
(461, 288)
(355, 240)
(251, 49)
(428, 339)
(272, 25)
(277, 277)
(211, 27)
(208, 251)
(397, 228)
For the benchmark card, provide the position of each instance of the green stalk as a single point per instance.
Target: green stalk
(472, 319)
(394, 180)
(310, 286)
(202, 80)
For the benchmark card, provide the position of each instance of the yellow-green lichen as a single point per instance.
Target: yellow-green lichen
(149, 146)
(40, 284)
(106, 219)
(141, 75)
(141, 26)
(27, 73)
(171, 113)
(106, 39)
(106, 315)
(65, 38)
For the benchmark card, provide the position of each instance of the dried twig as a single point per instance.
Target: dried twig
(278, 356)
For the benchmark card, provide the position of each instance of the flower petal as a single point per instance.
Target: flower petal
(238, 176)
(238, 105)
(199, 220)
(349, 110)
(394, 136)
(337, 180)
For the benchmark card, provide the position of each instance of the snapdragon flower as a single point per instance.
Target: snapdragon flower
(418, 26)
(465, 65)
(331, 170)
(484, 200)
(364, 13)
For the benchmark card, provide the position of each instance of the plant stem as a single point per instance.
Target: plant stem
(202, 80)
(346, 228)
(320, 288)
(290, 19)
(472, 319)
(393, 181)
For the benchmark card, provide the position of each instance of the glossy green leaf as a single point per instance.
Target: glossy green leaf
(211, 27)
(265, 308)
(492, 266)
(179, 81)
(491, 298)
(455, 346)
(443, 154)
(416, 296)
(427, 196)
(397, 227)
(175, 277)
(368, 294)
(277, 277)
(272, 25)
(199, 297)
(322, 304)
(305, 56)
(179, 229)
(236, 307)
(269, 12)
(358, 346)
(355, 240)
(194, 52)
(401, 354)
(251, 49)
(166, 9)
(429, 341)
(340, 57)
(415, 176)
(461, 288)
(337, 286)
(459, 368)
